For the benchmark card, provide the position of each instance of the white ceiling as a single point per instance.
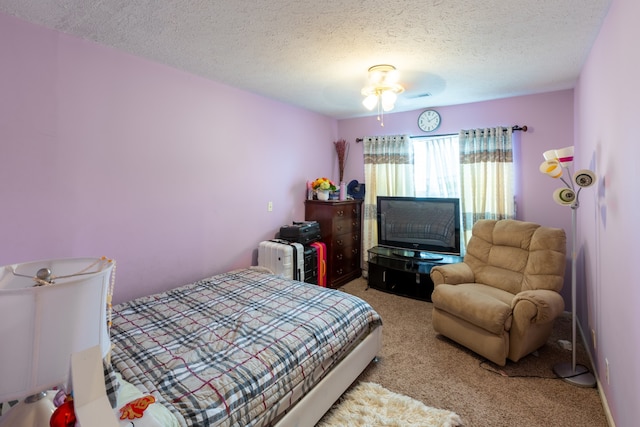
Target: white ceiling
(315, 53)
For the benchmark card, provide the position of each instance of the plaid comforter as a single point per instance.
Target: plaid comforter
(226, 350)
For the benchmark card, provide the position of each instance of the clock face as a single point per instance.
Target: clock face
(429, 120)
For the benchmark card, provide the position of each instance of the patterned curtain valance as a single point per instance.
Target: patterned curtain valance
(486, 145)
(394, 149)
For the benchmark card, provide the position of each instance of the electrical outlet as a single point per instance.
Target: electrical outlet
(606, 363)
(593, 338)
(269, 206)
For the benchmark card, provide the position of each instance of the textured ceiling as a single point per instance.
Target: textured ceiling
(315, 54)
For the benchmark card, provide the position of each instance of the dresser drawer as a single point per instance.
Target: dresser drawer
(346, 254)
(345, 225)
(346, 240)
(352, 211)
(345, 260)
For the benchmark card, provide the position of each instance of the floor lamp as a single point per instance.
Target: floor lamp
(555, 162)
(49, 310)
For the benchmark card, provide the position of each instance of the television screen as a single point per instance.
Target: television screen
(417, 226)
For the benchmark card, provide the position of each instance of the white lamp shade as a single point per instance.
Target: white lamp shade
(370, 102)
(388, 106)
(551, 168)
(41, 326)
(564, 196)
(584, 178)
(565, 156)
(388, 99)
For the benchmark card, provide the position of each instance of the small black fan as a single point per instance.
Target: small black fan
(355, 190)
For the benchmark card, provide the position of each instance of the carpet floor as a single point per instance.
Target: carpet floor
(417, 362)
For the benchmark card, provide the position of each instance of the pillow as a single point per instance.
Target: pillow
(155, 415)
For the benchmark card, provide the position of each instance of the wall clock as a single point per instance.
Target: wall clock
(429, 120)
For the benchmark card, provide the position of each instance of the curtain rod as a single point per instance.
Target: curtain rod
(514, 128)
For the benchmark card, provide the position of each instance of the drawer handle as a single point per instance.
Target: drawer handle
(339, 257)
(339, 242)
(339, 271)
(339, 228)
(340, 213)
(356, 237)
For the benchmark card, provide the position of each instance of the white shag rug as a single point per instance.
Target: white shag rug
(371, 405)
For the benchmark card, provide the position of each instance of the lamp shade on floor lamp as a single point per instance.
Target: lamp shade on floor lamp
(555, 163)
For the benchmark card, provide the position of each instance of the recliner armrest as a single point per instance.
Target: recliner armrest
(452, 274)
(545, 305)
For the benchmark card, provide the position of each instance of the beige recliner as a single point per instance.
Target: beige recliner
(502, 300)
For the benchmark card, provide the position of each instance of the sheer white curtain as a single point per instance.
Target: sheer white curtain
(437, 166)
(487, 176)
(388, 171)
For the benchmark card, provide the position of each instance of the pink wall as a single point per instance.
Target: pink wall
(170, 174)
(549, 118)
(606, 115)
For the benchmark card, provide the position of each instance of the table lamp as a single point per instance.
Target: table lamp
(49, 310)
(556, 163)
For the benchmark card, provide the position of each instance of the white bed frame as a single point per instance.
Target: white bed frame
(308, 411)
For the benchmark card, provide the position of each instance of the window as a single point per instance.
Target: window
(437, 166)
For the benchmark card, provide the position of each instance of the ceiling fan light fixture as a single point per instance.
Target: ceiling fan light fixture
(383, 88)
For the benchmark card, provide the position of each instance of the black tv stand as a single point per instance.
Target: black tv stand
(416, 255)
(391, 270)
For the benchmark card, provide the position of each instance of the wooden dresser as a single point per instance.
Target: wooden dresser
(341, 230)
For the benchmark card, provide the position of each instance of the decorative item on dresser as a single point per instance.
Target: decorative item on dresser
(323, 187)
(342, 150)
(341, 231)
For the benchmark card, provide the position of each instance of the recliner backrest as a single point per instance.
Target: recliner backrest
(516, 255)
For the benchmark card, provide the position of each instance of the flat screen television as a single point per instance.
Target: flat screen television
(419, 227)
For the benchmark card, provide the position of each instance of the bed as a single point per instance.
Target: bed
(244, 348)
